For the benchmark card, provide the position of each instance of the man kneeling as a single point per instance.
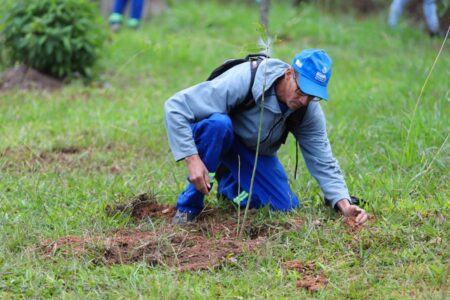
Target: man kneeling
(213, 125)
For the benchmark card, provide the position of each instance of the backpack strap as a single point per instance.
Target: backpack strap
(255, 60)
(249, 102)
(293, 121)
(228, 64)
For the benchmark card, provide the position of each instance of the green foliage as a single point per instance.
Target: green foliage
(4, 8)
(61, 38)
(443, 8)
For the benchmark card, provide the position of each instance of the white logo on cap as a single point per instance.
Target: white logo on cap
(299, 63)
(320, 77)
(324, 69)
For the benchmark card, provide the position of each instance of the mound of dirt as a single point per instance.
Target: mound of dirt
(23, 77)
(311, 280)
(211, 221)
(181, 249)
(144, 206)
(207, 243)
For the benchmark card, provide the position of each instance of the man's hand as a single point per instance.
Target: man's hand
(355, 211)
(198, 173)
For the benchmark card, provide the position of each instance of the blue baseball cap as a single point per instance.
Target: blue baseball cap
(314, 69)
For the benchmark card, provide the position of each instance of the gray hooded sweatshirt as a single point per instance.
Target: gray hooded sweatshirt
(229, 90)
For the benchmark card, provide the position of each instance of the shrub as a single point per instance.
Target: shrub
(4, 8)
(61, 38)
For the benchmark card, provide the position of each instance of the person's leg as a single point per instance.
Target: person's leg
(213, 138)
(116, 18)
(135, 13)
(395, 11)
(119, 6)
(270, 185)
(430, 14)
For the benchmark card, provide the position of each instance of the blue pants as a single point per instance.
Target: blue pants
(135, 11)
(429, 12)
(216, 144)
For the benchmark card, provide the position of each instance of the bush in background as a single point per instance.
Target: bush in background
(61, 38)
(4, 8)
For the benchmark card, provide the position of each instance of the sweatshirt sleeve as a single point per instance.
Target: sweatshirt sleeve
(199, 102)
(316, 150)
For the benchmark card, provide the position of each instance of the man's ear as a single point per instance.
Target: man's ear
(289, 72)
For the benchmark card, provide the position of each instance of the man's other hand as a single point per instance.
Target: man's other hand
(198, 173)
(354, 211)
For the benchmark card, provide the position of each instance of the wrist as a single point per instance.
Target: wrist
(191, 158)
(343, 204)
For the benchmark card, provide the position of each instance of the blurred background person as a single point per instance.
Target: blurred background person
(116, 18)
(429, 13)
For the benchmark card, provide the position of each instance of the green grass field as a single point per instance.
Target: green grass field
(66, 155)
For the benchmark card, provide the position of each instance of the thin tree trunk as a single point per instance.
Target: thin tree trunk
(264, 13)
(265, 40)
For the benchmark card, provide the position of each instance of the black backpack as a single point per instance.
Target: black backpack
(255, 60)
(294, 120)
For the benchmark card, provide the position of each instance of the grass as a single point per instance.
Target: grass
(121, 150)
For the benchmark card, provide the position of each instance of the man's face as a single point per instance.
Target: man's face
(291, 94)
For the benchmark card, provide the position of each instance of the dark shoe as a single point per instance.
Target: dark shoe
(437, 34)
(182, 218)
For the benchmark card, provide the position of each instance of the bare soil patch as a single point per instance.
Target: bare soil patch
(66, 158)
(62, 155)
(207, 243)
(172, 247)
(311, 279)
(212, 221)
(23, 77)
(144, 206)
